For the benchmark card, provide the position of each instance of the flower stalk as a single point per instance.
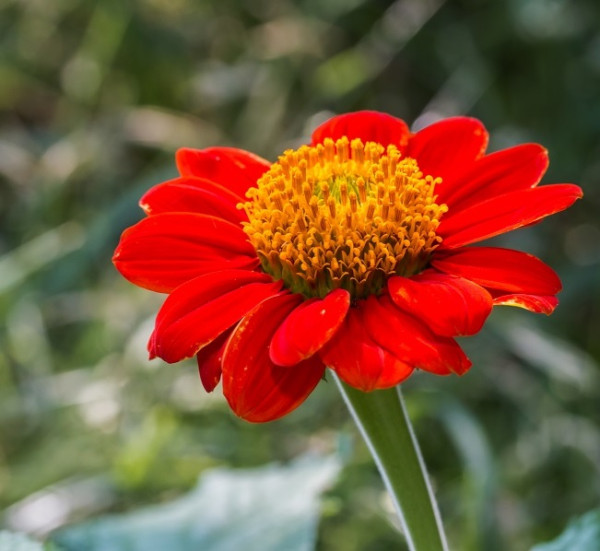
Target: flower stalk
(385, 426)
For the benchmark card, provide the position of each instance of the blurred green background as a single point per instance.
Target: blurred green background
(95, 97)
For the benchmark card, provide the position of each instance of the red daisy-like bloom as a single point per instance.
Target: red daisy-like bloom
(349, 253)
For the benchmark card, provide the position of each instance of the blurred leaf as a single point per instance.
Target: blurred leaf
(582, 534)
(269, 508)
(480, 477)
(11, 541)
(39, 251)
(561, 360)
(135, 461)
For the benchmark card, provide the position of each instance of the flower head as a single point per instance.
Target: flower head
(349, 253)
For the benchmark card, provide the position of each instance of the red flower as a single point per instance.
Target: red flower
(349, 253)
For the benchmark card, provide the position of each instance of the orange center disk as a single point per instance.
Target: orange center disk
(343, 215)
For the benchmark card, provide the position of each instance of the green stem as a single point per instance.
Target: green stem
(384, 424)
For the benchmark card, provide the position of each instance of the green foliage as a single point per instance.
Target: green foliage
(582, 534)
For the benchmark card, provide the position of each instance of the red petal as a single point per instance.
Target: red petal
(512, 169)
(369, 126)
(359, 360)
(533, 303)
(193, 195)
(410, 340)
(257, 389)
(234, 169)
(496, 268)
(200, 310)
(505, 213)
(163, 251)
(448, 147)
(308, 328)
(209, 361)
(448, 305)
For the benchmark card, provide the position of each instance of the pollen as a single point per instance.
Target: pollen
(343, 214)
